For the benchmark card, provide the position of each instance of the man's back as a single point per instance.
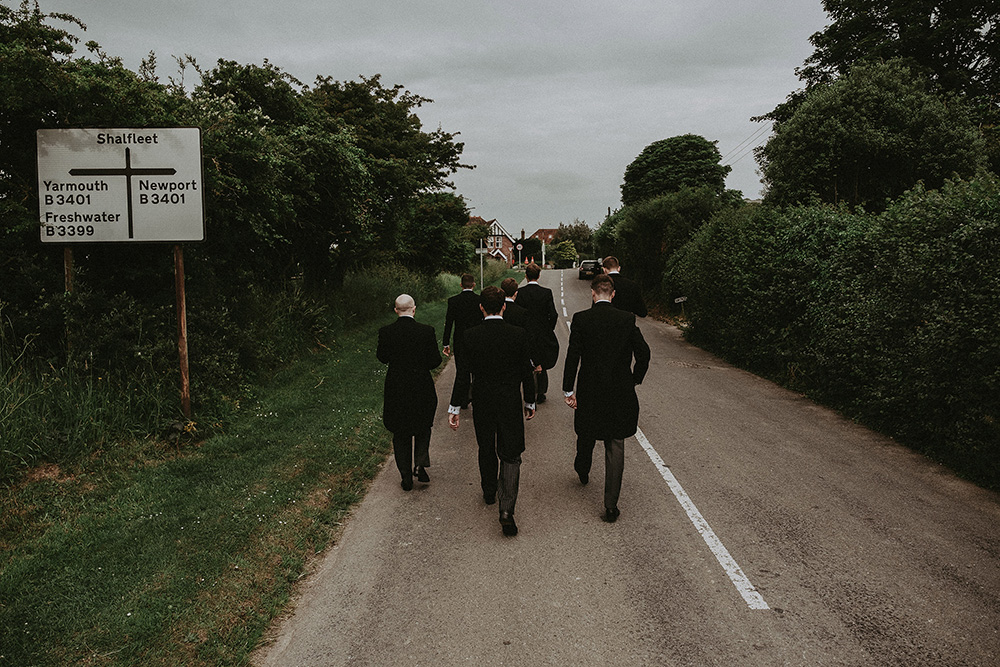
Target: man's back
(603, 342)
(540, 304)
(496, 356)
(410, 349)
(628, 295)
(541, 322)
(462, 313)
(515, 314)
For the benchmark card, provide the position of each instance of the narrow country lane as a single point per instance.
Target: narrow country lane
(757, 529)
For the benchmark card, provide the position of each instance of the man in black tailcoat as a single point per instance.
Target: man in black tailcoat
(603, 341)
(628, 294)
(409, 399)
(512, 311)
(462, 313)
(542, 318)
(497, 365)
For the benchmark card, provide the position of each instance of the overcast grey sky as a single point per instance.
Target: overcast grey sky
(553, 99)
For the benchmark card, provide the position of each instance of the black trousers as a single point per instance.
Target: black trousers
(411, 450)
(541, 382)
(499, 467)
(614, 465)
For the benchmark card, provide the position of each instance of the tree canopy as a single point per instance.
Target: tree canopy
(301, 184)
(955, 44)
(868, 137)
(579, 233)
(562, 255)
(668, 165)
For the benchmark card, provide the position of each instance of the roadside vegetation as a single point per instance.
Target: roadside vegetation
(868, 277)
(181, 548)
(130, 534)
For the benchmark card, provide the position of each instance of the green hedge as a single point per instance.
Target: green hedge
(119, 377)
(893, 319)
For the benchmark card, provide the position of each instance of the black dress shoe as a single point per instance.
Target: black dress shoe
(584, 477)
(406, 482)
(421, 474)
(611, 514)
(540, 398)
(489, 498)
(507, 524)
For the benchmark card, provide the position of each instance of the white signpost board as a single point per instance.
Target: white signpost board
(136, 185)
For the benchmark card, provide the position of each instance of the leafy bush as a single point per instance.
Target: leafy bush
(644, 235)
(890, 318)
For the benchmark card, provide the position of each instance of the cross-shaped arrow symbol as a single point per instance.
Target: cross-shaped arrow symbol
(128, 172)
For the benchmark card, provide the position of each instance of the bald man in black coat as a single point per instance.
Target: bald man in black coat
(409, 398)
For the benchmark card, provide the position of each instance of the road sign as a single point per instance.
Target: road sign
(481, 251)
(120, 185)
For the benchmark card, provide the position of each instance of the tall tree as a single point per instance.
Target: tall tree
(284, 170)
(868, 137)
(402, 158)
(668, 165)
(956, 44)
(431, 238)
(579, 232)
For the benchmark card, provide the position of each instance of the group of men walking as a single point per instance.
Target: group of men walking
(504, 345)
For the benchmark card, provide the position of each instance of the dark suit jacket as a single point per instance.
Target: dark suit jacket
(542, 318)
(497, 364)
(628, 295)
(602, 343)
(409, 399)
(515, 314)
(463, 312)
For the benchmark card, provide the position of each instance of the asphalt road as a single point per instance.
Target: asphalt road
(759, 529)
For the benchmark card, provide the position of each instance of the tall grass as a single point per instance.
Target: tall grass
(369, 294)
(49, 413)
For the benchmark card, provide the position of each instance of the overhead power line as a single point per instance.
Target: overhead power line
(746, 146)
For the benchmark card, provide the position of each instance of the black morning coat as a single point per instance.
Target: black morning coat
(497, 364)
(603, 341)
(515, 314)
(628, 295)
(542, 318)
(463, 312)
(409, 399)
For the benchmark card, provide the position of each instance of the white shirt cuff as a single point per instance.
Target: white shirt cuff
(454, 410)
(567, 394)
(529, 406)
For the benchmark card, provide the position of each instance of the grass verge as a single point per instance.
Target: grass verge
(158, 554)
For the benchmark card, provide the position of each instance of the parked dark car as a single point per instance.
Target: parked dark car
(589, 268)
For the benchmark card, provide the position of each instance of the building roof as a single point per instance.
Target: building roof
(544, 234)
(496, 229)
